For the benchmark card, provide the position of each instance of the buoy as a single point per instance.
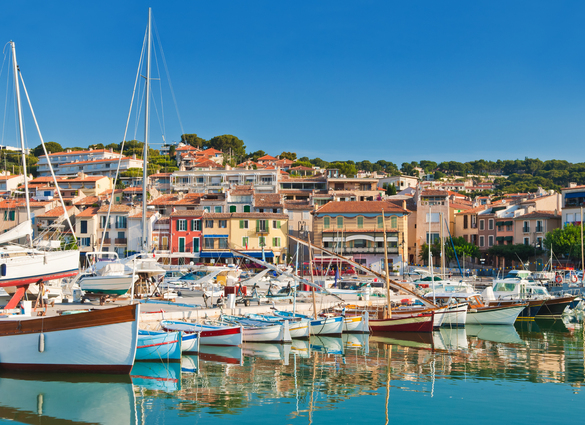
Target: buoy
(41, 343)
(558, 279)
(574, 278)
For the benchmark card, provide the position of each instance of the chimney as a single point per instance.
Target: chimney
(572, 184)
(133, 156)
(404, 204)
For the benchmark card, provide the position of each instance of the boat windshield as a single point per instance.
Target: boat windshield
(504, 287)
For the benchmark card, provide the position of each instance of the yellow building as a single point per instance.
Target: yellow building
(251, 232)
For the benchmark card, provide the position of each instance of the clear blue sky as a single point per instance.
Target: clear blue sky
(393, 80)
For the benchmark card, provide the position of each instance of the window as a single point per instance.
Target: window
(208, 243)
(380, 222)
(481, 226)
(433, 218)
(246, 208)
(121, 235)
(182, 226)
(465, 218)
(245, 242)
(275, 241)
(232, 208)
(526, 227)
(339, 222)
(434, 237)
(490, 240)
(262, 241)
(121, 222)
(481, 240)
(222, 224)
(261, 225)
(181, 244)
(85, 241)
(196, 225)
(491, 224)
(326, 222)
(83, 226)
(209, 224)
(103, 222)
(217, 209)
(360, 222)
(526, 241)
(223, 243)
(276, 224)
(539, 227)
(243, 224)
(393, 222)
(206, 209)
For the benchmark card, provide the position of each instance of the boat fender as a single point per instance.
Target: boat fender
(3, 269)
(41, 342)
(574, 278)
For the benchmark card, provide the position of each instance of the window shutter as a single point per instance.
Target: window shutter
(241, 224)
(278, 224)
(177, 225)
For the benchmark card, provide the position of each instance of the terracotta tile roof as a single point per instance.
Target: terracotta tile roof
(539, 214)
(78, 152)
(88, 200)
(431, 192)
(460, 206)
(186, 148)
(474, 210)
(297, 205)
(188, 213)
(267, 158)
(98, 160)
(217, 215)
(575, 187)
(301, 168)
(161, 175)
(239, 192)
(133, 189)
(210, 151)
(163, 220)
(81, 179)
(88, 212)
(37, 203)
(164, 200)
(250, 215)
(208, 163)
(139, 214)
(9, 177)
(56, 212)
(267, 200)
(115, 208)
(296, 192)
(360, 207)
(247, 163)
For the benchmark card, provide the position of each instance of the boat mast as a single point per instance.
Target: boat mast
(431, 254)
(145, 244)
(582, 254)
(388, 312)
(21, 130)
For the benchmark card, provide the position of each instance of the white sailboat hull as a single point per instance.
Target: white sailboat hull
(20, 270)
(494, 316)
(299, 329)
(107, 284)
(327, 326)
(455, 316)
(98, 341)
(271, 333)
(356, 324)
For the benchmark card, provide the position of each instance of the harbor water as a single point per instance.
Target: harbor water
(529, 373)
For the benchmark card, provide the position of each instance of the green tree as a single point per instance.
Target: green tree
(391, 190)
(344, 168)
(228, 144)
(565, 241)
(255, 155)
(96, 146)
(289, 155)
(52, 147)
(462, 247)
(194, 140)
(302, 164)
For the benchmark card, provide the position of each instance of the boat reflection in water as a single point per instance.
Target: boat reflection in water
(450, 339)
(301, 348)
(189, 363)
(359, 342)
(422, 340)
(494, 333)
(267, 351)
(221, 354)
(327, 344)
(157, 376)
(63, 398)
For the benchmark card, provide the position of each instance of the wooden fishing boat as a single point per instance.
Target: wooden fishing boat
(96, 341)
(416, 323)
(158, 346)
(190, 342)
(208, 334)
(298, 327)
(356, 324)
(529, 312)
(258, 331)
(330, 325)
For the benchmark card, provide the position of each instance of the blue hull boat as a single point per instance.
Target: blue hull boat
(157, 345)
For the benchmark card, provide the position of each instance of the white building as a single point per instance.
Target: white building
(218, 181)
(91, 162)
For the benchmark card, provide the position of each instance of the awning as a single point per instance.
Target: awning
(499, 238)
(509, 238)
(225, 254)
(215, 236)
(575, 195)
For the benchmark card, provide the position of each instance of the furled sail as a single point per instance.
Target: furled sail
(17, 232)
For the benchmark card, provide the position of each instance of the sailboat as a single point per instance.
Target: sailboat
(21, 266)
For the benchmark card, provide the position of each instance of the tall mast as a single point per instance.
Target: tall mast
(145, 244)
(20, 129)
(389, 311)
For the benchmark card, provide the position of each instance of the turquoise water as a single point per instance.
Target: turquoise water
(531, 373)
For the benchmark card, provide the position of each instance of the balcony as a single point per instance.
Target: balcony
(526, 229)
(539, 229)
(120, 241)
(107, 241)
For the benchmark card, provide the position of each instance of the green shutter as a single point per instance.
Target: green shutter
(241, 224)
(246, 208)
(278, 224)
(177, 225)
(232, 208)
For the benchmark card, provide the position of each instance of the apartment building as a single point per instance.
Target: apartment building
(91, 162)
(185, 236)
(356, 229)
(219, 181)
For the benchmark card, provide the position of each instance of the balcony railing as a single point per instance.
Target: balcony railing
(539, 229)
(526, 229)
(107, 241)
(121, 241)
